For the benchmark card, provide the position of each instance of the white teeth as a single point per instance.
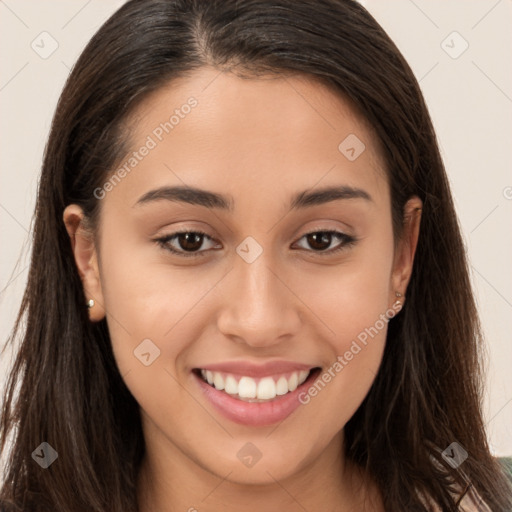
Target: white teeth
(247, 387)
(293, 381)
(218, 380)
(303, 375)
(266, 388)
(231, 385)
(282, 386)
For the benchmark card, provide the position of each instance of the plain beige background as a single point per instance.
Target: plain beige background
(460, 52)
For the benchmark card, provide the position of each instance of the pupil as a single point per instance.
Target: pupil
(319, 240)
(192, 241)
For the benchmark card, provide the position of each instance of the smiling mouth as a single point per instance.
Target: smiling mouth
(249, 389)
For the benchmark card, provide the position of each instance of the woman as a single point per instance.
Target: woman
(248, 287)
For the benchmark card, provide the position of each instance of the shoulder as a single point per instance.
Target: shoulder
(472, 501)
(467, 500)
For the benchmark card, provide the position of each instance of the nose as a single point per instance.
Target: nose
(259, 308)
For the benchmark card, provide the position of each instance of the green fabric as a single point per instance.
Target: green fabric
(506, 462)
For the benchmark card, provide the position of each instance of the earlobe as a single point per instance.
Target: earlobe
(85, 254)
(406, 248)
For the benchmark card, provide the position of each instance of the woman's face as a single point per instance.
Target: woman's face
(266, 295)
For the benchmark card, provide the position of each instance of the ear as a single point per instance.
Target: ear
(84, 250)
(406, 248)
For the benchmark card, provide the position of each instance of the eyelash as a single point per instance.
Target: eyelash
(163, 242)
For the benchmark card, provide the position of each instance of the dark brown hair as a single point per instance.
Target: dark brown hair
(65, 387)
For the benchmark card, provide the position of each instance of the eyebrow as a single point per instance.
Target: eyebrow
(200, 197)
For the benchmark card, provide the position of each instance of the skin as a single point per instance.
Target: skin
(259, 141)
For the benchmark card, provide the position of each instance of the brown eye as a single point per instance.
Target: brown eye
(190, 241)
(320, 241)
(184, 242)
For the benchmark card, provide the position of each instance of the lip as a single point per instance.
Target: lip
(255, 370)
(255, 414)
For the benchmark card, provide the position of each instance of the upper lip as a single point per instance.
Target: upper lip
(251, 369)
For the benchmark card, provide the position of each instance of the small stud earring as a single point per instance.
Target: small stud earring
(398, 294)
(90, 303)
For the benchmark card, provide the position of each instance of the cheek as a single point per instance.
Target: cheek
(152, 316)
(155, 311)
(351, 306)
(155, 303)
(356, 348)
(350, 297)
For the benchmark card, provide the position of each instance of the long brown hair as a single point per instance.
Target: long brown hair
(65, 387)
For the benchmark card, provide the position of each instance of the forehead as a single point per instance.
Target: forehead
(269, 134)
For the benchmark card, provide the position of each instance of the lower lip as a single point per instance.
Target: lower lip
(256, 414)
